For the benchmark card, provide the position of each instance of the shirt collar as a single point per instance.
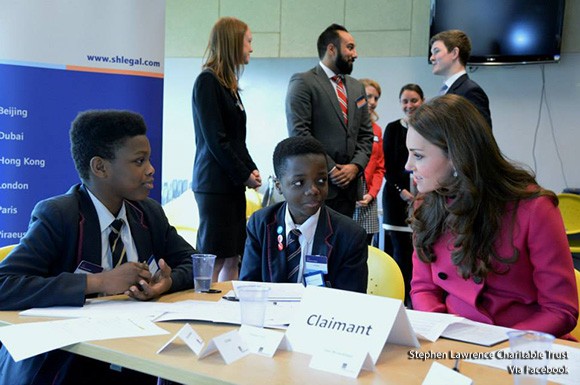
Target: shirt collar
(308, 228)
(449, 82)
(105, 216)
(330, 73)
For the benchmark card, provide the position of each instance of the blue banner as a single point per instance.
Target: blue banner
(39, 100)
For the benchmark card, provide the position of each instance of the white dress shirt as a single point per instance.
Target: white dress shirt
(105, 220)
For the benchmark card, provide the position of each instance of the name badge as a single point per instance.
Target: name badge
(153, 266)
(86, 267)
(316, 263)
(314, 278)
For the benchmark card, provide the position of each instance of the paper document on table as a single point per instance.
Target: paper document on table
(278, 291)
(102, 308)
(431, 326)
(568, 364)
(221, 311)
(476, 333)
(277, 314)
(30, 339)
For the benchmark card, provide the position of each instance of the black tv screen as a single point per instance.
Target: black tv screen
(504, 32)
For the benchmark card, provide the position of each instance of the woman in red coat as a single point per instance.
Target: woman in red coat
(366, 213)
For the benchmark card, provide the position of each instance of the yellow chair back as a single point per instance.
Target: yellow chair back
(187, 233)
(570, 208)
(253, 202)
(576, 332)
(385, 277)
(4, 251)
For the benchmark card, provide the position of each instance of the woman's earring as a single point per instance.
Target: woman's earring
(454, 173)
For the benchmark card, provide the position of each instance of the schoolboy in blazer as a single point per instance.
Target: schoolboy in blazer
(300, 167)
(112, 157)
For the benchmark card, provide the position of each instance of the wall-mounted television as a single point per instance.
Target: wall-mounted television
(504, 32)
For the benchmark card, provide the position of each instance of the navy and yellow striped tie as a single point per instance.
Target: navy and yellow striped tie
(116, 243)
(294, 255)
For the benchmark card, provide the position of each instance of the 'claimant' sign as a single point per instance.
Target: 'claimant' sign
(337, 319)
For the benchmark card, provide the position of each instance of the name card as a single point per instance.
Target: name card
(342, 321)
(189, 336)
(230, 345)
(263, 341)
(441, 374)
(345, 363)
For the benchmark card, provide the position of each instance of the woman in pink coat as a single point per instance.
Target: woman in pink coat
(490, 243)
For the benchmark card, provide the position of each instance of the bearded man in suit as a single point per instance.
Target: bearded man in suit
(329, 105)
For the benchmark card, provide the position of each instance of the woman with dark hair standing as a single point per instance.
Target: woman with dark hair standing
(490, 243)
(223, 166)
(397, 191)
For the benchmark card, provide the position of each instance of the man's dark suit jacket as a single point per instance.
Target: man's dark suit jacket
(312, 109)
(337, 237)
(470, 90)
(64, 230)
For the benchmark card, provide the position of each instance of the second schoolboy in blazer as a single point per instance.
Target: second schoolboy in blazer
(337, 237)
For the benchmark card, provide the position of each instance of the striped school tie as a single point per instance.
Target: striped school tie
(341, 93)
(293, 254)
(116, 243)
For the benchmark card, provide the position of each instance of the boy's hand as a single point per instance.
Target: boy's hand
(118, 280)
(148, 289)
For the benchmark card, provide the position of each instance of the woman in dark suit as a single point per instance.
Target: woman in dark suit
(223, 166)
(396, 193)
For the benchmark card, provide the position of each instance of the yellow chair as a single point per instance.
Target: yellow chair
(385, 277)
(187, 233)
(576, 332)
(4, 251)
(253, 202)
(570, 208)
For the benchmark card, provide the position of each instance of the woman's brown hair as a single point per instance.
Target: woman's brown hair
(471, 203)
(224, 51)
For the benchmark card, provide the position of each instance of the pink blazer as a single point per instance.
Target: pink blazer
(537, 292)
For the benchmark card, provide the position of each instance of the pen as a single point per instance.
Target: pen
(456, 366)
(230, 298)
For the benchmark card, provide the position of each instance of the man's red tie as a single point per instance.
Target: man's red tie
(341, 92)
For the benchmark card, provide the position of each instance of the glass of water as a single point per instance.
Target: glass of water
(202, 271)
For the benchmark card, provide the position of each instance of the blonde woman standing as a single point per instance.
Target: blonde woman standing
(223, 166)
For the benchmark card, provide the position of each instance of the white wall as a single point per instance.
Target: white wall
(514, 94)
